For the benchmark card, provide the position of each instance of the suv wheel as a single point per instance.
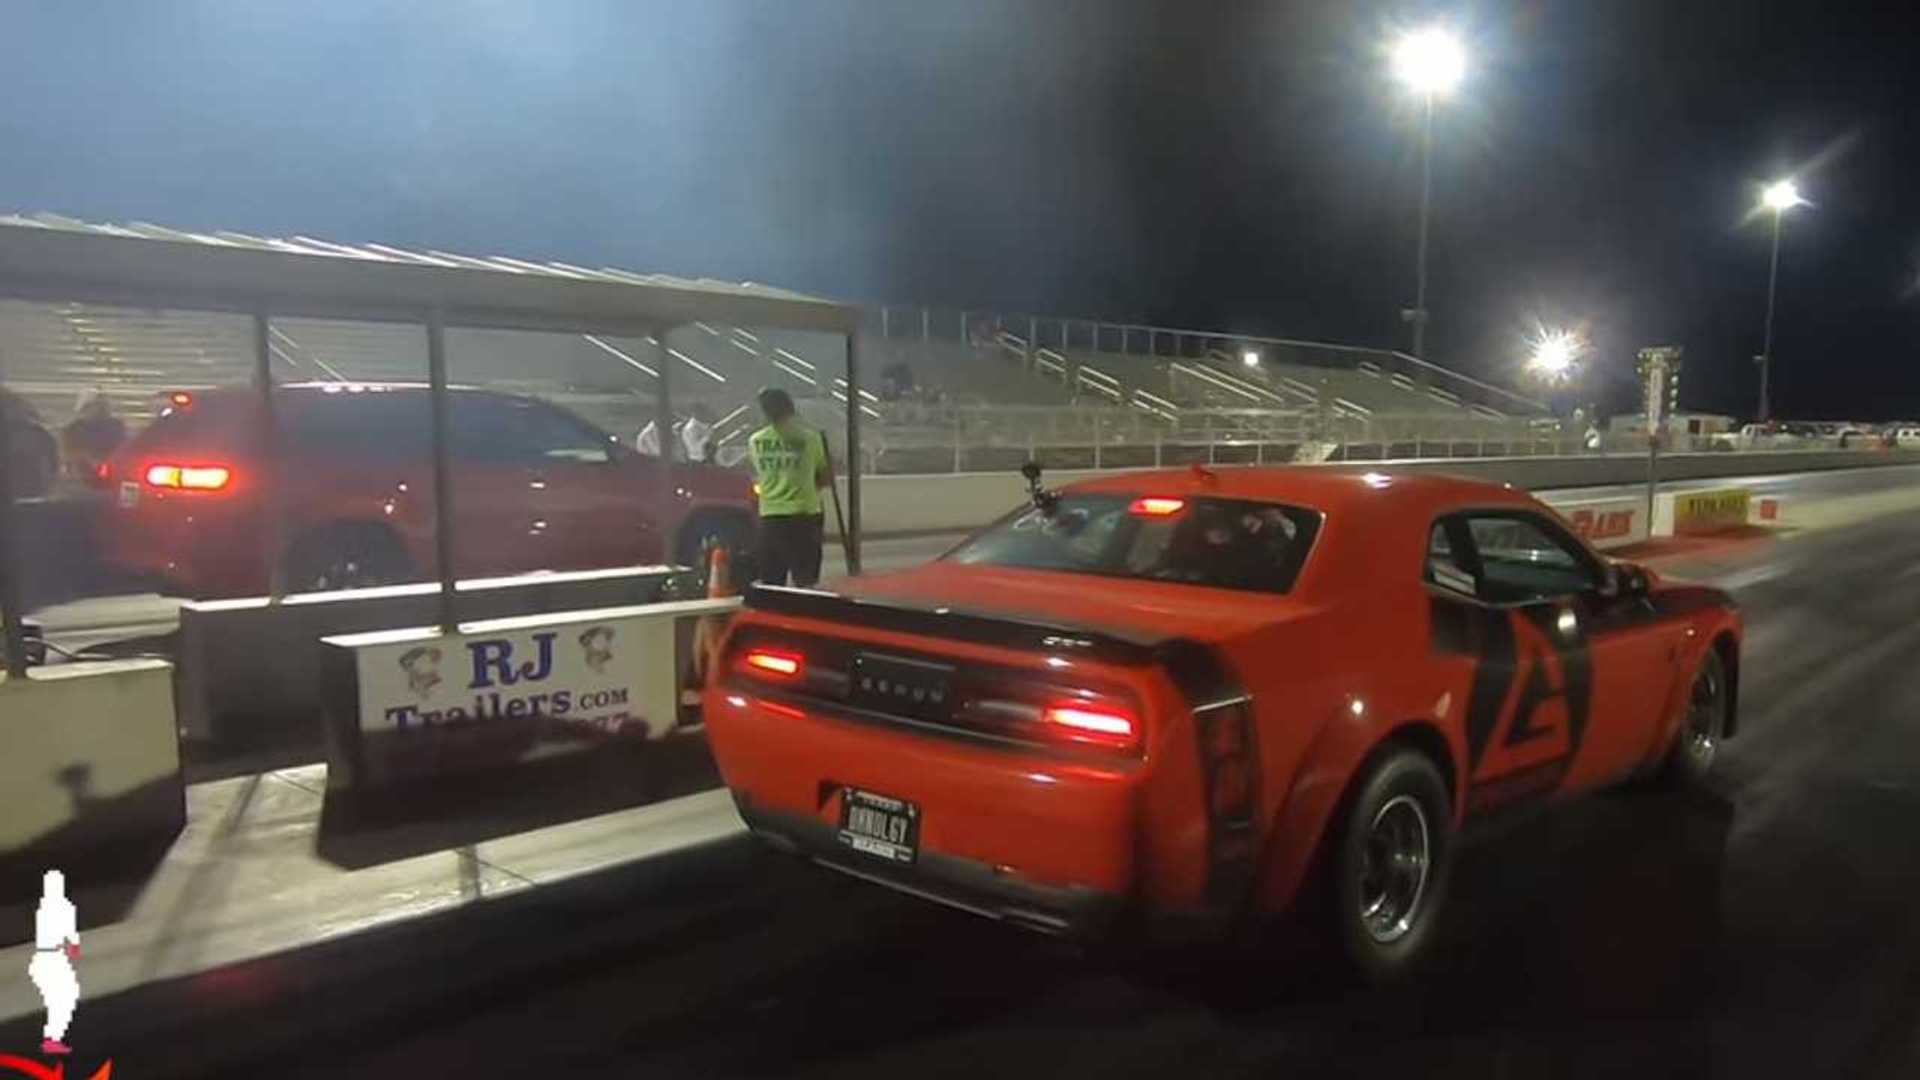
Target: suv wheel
(707, 531)
(346, 557)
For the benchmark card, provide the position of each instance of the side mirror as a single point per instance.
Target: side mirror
(1624, 580)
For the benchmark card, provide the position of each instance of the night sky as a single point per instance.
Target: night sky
(1241, 166)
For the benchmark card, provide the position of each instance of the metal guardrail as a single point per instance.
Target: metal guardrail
(972, 438)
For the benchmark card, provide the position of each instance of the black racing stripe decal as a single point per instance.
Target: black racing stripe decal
(1229, 765)
(1549, 661)
(1575, 657)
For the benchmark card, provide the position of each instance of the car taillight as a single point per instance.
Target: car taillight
(773, 663)
(189, 477)
(1079, 722)
(180, 399)
(103, 472)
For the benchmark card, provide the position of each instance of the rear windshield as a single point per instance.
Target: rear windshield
(209, 425)
(1222, 543)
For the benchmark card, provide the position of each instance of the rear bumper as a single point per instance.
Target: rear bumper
(1049, 843)
(967, 884)
(211, 552)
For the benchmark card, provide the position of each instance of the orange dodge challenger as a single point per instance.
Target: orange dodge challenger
(1196, 694)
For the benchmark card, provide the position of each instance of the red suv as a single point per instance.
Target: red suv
(534, 487)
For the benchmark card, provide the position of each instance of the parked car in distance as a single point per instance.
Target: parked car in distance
(534, 487)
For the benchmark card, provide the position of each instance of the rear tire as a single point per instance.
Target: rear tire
(347, 556)
(1391, 865)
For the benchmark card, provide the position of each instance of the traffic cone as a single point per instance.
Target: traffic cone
(708, 633)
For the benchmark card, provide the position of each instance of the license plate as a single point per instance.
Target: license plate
(895, 684)
(879, 825)
(129, 493)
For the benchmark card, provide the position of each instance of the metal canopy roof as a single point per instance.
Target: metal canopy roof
(48, 257)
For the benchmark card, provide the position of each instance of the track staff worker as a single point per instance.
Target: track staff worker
(790, 466)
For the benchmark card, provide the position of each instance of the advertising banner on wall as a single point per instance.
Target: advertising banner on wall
(1607, 523)
(419, 701)
(1697, 512)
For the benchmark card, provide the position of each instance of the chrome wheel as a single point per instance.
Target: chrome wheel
(1393, 869)
(1706, 716)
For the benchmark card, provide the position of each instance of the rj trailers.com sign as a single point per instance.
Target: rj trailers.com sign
(611, 677)
(419, 703)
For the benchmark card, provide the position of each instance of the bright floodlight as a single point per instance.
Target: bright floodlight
(1429, 61)
(1783, 195)
(1554, 354)
(1251, 358)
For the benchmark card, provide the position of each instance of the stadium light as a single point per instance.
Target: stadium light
(1251, 358)
(1779, 197)
(1555, 356)
(1430, 62)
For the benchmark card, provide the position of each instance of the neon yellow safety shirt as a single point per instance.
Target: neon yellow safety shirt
(785, 467)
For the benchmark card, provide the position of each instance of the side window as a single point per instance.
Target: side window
(1445, 568)
(484, 428)
(503, 429)
(368, 426)
(552, 435)
(1522, 558)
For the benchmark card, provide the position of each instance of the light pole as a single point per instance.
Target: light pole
(1779, 197)
(1430, 63)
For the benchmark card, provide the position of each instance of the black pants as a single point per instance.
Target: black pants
(791, 545)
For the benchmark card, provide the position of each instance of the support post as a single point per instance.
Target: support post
(851, 541)
(274, 535)
(10, 613)
(443, 519)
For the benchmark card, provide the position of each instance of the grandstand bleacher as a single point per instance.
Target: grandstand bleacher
(981, 388)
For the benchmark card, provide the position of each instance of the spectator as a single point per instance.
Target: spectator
(91, 436)
(696, 434)
(33, 457)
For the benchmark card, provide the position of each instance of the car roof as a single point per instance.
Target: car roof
(1329, 490)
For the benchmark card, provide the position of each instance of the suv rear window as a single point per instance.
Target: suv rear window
(213, 424)
(1220, 543)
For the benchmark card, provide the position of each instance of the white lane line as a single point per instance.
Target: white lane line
(1753, 575)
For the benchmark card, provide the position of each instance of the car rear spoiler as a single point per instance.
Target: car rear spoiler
(1005, 631)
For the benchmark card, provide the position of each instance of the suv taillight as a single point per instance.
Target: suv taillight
(188, 477)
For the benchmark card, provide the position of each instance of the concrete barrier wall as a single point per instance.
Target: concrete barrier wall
(91, 777)
(894, 505)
